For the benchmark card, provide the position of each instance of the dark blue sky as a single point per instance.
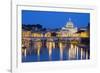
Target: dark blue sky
(53, 20)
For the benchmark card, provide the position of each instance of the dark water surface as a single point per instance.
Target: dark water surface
(68, 53)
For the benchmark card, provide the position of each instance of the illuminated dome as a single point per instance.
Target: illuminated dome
(69, 27)
(69, 24)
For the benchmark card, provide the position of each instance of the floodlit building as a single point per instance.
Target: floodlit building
(69, 30)
(69, 27)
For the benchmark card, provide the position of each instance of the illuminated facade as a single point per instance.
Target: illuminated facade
(83, 34)
(36, 34)
(69, 30)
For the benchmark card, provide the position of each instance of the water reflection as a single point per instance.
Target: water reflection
(48, 49)
(72, 52)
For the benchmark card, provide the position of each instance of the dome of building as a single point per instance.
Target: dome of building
(69, 24)
(69, 27)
